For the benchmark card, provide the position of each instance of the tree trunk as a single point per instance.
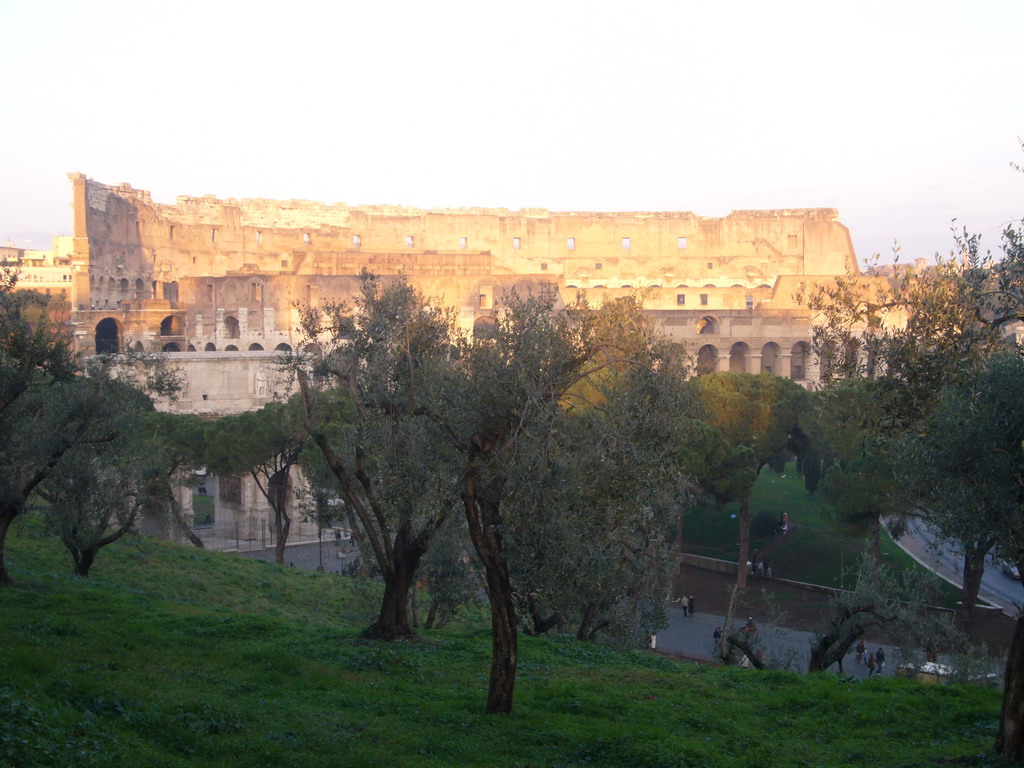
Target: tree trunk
(282, 525)
(399, 576)
(741, 576)
(83, 561)
(1010, 738)
(876, 540)
(973, 571)
(172, 504)
(5, 523)
(504, 640)
(487, 542)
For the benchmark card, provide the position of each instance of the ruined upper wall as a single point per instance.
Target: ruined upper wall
(129, 237)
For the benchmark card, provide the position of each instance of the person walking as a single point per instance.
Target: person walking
(880, 660)
(685, 601)
(861, 649)
(871, 664)
(693, 605)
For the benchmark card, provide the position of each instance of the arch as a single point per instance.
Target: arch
(137, 347)
(485, 328)
(111, 287)
(710, 285)
(140, 289)
(282, 347)
(172, 326)
(707, 326)
(738, 355)
(231, 327)
(798, 363)
(595, 287)
(707, 359)
(230, 348)
(210, 347)
(682, 285)
(171, 347)
(770, 358)
(124, 286)
(108, 337)
(313, 349)
(625, 285)
(254, 347)
(736, 285)
(763, 285)
(191, 347)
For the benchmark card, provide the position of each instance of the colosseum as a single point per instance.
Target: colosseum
(219, 279)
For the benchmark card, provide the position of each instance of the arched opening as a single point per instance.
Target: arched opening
(709, 285)
(737, 285)
(124, 287)
(171, 347)
(707, 359)
(108, 337)
(313, 349)
(231, 329)
(770, 358)
(170, 291)
(254, 347)
(137, 347)
(738, 357)
(707, 326)
(485, 328)
(210, 347)
(171, 326)
(762, 285)
(140, 289)
(282, 347)
(230, 348)
(798, 361)
(191, 347)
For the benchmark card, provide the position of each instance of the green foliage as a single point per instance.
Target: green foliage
(139, 666)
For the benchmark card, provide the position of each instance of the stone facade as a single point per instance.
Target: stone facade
(211, 276)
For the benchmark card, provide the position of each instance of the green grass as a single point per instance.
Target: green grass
(815, 551)
(170, 656)
(203, 506)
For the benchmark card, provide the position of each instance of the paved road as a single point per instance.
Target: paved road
(997, 588)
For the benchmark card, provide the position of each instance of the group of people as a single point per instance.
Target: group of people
(875, 661)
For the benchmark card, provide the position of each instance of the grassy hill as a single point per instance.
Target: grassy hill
(170, 656)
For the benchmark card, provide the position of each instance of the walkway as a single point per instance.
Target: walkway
(692, 637)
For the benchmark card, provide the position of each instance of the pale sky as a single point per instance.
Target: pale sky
(903, 115)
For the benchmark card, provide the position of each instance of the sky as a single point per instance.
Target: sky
(903, 115)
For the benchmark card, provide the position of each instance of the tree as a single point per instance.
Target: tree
(265, 444)
(517, 386)
(757, 416)
(923, 333)
(846, 423)
(590, 547)
(179, 440)
(100, 485)
(388, 359)
(883, 601)
(40, 417)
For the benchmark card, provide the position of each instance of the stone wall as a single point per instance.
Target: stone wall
(224, 274)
